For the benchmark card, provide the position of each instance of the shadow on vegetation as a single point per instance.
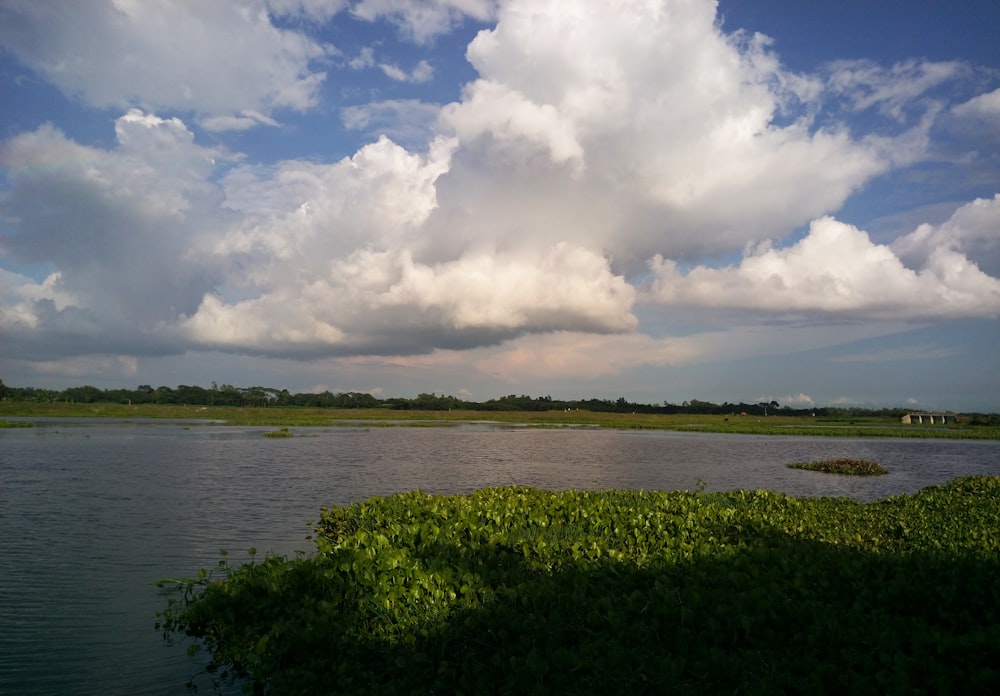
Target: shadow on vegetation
(780, 615)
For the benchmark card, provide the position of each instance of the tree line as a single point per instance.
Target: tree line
(263, 397)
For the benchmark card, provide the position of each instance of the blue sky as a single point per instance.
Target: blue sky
(658, 199)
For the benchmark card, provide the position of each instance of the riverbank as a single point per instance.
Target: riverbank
(518, 590)
(383, 417)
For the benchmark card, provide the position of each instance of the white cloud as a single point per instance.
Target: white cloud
(316, 10)
(408, 122)
(984, 106)
(663, 132)
(799, 400)
(422, 72)
(424, 20)
(121, 227)
(364, 59)
(20, 293)
(210, 58)
(835, 270)
(383, 302)
(518, 226)
(973, 230)
(893, 90)
(245, 121)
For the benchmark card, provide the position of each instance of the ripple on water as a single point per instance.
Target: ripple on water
(91, 516)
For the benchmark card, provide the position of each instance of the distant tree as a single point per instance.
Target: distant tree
(164, 395)
(82, 395)
(768, 404)
(195, 395)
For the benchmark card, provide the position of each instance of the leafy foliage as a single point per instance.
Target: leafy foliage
(518, 590)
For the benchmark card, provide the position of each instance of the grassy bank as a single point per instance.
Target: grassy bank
(300, 416)
(520, 591)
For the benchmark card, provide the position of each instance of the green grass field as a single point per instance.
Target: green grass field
(304, 417)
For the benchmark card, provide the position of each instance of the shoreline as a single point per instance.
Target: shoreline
(290, 416)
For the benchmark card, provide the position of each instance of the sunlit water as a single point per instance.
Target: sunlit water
(92, 514)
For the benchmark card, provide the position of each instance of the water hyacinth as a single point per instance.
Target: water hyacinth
(852, 467)
(519, 590)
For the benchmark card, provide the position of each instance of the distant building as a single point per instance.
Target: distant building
(929, 418)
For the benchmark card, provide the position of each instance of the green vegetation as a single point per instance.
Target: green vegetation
(277, 407)
(820, 426)
(267, 397)
(282, 432)
(16, 424)
(853, 467)
(517, 590)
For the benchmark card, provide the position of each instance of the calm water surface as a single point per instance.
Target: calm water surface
(92, 514)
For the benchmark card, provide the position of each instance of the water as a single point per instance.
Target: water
(92, 514)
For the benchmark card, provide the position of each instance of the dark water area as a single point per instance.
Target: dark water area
(93, 513)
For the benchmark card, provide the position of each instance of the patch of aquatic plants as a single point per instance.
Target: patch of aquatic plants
(518, 590)
(280, 432)
(16, 424)
(852, 467)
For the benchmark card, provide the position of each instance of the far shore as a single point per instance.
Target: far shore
(291, 416)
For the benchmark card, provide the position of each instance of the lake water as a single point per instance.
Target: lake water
(93, 513)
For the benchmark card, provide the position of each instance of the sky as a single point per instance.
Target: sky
(662, 200)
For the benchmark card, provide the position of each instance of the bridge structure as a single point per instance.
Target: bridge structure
(929, 418)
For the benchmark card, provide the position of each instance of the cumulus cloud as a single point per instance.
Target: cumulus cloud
(642, 128)
(836, 270)
(973, 230)
(121, 53)
(603, 148)
(385, 303)
(122, 227)
(799, 400)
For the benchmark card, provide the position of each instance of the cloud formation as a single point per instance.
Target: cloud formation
(124, 53)
(424, 20)
(837, 270)
(588, 181)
